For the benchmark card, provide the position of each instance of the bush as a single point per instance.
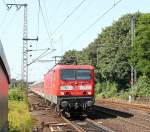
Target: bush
(142, 87)
(17, 94)
(123, 95)
(99, 88)
(106, 90)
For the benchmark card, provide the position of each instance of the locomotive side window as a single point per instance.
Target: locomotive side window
(68, 74)
(83, 74)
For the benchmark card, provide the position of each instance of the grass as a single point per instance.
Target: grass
(19, 116)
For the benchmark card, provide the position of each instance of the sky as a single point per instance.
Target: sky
(69, 36)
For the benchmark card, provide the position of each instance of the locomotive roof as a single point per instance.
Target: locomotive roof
(73, 67)
(3, 62)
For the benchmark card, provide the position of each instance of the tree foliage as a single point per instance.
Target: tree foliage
(70, 57)
(142, 87)
(140, 56)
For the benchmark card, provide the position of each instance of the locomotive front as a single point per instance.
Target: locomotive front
(76, 89)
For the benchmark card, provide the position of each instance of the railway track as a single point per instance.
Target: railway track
(129, 120)
(141, 115)
(126, 105)
(49, 121)
(87, 125)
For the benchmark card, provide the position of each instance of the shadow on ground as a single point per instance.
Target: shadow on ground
(101, 112)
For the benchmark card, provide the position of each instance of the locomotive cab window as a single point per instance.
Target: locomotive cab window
(83, 74)
(68, 74)
(72, 74)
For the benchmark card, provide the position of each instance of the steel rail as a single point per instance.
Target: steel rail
(132, 106)
(76, 127)
(99, 125)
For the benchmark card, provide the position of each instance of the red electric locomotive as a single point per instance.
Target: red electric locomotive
(4, 82)
(70, 88)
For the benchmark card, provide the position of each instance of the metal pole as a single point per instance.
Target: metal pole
(135, 75)
(25, 47)
(132, 76)
(132, 39)
(132, 29)
(97, 56)
(133, 71)
(24, 67)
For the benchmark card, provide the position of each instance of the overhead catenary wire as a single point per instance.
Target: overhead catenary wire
(44, 20)
(45, 54)
(40, 56)
(48, 22)
(99, 18)
(95, 22)
(68, 16)
(84, 9)
(45, 12)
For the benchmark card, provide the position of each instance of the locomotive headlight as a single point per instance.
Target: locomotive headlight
(66, 87)
(86, 87)
(62, 93)
(89, 93)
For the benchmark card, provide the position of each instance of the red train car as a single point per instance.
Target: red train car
(70, 87)
(4, 82)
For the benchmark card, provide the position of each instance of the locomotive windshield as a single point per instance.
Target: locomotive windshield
(68, 74)
(72, 74)
(83, 75)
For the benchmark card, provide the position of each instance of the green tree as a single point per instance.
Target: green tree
(140, 56)
(70, 57)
